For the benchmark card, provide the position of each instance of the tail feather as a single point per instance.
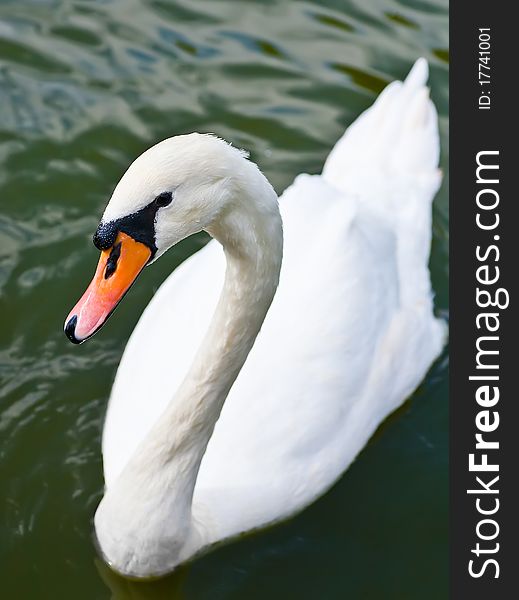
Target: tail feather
(398, 133)
(388, 161)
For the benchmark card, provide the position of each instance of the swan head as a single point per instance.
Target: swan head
(178, 187)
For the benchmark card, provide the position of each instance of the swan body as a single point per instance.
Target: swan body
(214, 429)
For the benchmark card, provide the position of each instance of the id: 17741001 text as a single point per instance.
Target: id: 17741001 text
(484, 68)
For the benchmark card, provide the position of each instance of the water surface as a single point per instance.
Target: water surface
(85, 86)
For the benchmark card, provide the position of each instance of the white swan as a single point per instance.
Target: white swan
(349, 335)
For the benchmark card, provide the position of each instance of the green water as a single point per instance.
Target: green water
(84, 88)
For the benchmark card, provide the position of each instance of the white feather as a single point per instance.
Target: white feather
(349, 335)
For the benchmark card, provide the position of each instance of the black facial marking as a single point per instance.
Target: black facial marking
(139, 225)
(111, 263)
(163, 199)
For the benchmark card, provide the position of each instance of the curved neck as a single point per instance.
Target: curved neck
(161, 475)
(253, 250)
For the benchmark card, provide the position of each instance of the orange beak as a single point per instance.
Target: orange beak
(117, 269)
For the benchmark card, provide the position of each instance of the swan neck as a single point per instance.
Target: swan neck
(252, 244)
(158, 482)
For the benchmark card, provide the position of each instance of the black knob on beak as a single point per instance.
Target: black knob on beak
(105, 235)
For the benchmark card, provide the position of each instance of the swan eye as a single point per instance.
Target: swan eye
(163, 199)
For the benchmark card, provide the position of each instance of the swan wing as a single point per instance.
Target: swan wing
(351, 332)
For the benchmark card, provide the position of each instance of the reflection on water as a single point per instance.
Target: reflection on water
(84, 88)
(167, 588)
